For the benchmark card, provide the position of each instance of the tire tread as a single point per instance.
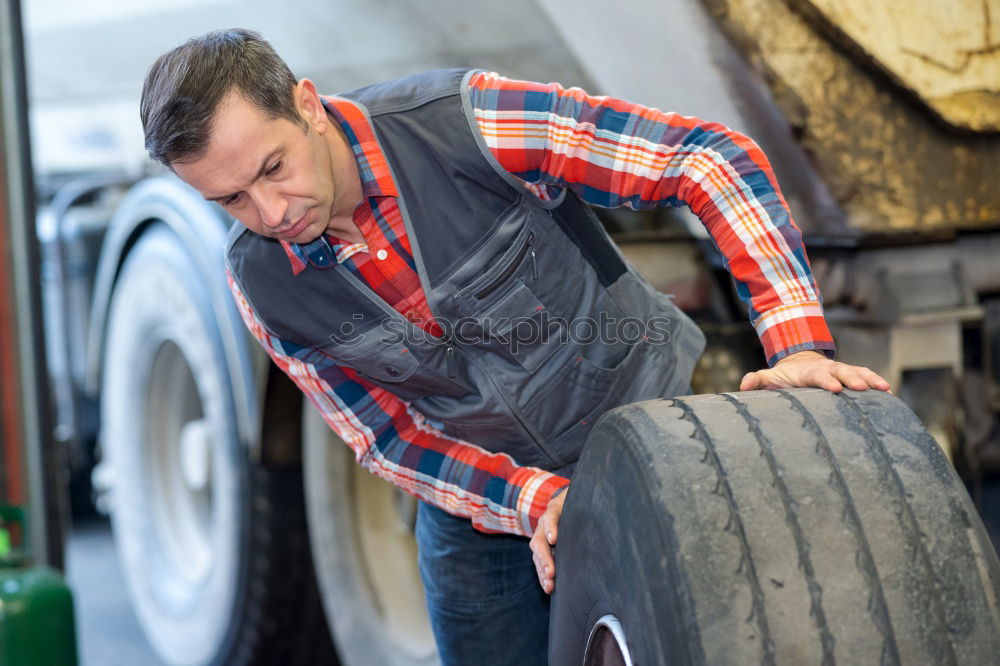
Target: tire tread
(802, 546)
(936, 632)
(734, 525)
(864, 559)
(283, 620)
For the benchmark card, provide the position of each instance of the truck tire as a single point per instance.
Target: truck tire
(363, 546)
(793, 527)
(213, 548)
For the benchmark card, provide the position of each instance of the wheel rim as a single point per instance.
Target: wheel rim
(365, 553)
(606, 645)
(384, 519)
(178, 465)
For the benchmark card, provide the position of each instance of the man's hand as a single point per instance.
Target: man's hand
(810, 368)
(546, 533)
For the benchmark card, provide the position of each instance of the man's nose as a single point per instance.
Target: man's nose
(271, 206)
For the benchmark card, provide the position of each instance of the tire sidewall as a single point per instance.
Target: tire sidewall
(613, 535)
(159, 296)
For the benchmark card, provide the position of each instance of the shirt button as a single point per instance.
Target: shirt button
(381, 254)
(392, 371)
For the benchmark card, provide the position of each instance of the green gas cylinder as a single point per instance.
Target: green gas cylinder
(36, 606)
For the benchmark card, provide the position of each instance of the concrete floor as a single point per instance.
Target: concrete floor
(107, 632)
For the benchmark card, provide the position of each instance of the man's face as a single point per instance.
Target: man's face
(274, 176)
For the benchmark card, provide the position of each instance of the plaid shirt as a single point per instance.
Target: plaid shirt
(611, 153)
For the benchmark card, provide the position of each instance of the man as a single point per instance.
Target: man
(414, 254)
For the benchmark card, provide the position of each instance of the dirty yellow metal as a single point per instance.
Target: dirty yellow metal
(893, 165)
(947, 52)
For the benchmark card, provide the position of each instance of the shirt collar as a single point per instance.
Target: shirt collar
(373, 168)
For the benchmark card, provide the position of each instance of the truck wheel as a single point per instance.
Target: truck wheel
(361, 529)
(769, 527)
(213, 548)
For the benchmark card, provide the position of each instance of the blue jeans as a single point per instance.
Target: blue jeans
(485, 603)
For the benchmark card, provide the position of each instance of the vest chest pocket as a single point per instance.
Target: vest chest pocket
(519, 327)
(504, 316)
(579, 392)
(384, 359)
(373, 354)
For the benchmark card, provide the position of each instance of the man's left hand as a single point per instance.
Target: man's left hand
(810, 368)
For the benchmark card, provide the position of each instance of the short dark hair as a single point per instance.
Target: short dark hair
(184, 87)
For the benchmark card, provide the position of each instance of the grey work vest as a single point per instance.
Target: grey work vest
(545, 321)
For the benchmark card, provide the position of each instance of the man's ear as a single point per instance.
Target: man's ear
(309, 106)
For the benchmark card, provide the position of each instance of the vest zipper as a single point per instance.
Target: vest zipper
(495, 283)
(483, 293)
(451, 362)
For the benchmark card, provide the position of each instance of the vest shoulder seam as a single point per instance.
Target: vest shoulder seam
(413, 104)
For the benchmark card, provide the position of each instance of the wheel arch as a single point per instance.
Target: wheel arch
(202, 228)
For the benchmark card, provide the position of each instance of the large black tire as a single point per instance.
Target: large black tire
(361, 529)
(771, 527)
(213, 548)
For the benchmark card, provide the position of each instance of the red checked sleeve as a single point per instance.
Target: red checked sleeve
(395, 442)
(615, 153)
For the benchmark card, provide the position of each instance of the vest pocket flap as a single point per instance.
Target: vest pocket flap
(520, 328)
(494, 276)
(395, 366)
(517, 306)
(376, 354)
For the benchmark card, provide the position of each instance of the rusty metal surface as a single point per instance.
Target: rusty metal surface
(947, 52)
(893, 166)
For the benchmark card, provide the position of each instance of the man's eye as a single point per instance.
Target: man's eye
(273, 169)
(229, 201)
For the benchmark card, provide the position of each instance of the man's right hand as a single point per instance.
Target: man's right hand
(545, 536)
